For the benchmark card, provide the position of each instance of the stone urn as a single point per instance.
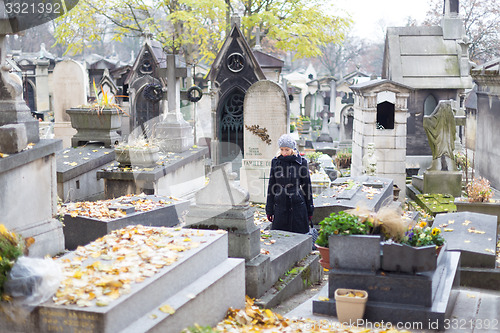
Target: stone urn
(95, 125)
(137, 156)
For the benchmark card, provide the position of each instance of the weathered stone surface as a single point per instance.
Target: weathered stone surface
(13, 138)
(446, 182)
(474, 235)
(360, 252)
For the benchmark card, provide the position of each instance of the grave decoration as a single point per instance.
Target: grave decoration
(89, 220)
(139, 152)
(97, 122)
(106, 269)
(479, 199)
(12, 246)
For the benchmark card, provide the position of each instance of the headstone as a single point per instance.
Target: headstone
(367, 192)
(265, 120)
(325, 115)
(442, 176)
(69, 82)
(474, 235)
(42, 83)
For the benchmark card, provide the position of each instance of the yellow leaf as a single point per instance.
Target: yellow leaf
(74, 213)
(448, 229)
(323, 299)
(167, 309)
(187, 239)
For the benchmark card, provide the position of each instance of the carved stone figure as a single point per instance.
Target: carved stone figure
(370, 161)
(440, 128)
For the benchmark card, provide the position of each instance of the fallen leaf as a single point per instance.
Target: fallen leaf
(471, 296)
(448, 229)
(466, 222)
(167, 309)
(323, 299)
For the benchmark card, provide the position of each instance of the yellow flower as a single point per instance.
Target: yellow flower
(336, 232)
(422, 224)
(436, 231)
(3, 230)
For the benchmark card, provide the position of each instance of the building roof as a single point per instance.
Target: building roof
(423, 58)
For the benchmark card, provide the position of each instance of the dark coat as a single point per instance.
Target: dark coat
(289, 194)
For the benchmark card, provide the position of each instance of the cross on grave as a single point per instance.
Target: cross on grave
(264, 178)
(173, 73)
(257, 34)
(325, 114)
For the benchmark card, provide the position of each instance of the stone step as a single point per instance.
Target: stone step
(300, 277)
(204, 302)
(263, 271)
(144, 296)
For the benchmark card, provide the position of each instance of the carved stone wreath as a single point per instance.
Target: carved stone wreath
(260, 132)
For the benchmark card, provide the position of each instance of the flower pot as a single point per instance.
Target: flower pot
(350, 305)
(408, 259)
(144, 157)
(95, 126)
(304, 127)
(359, 252)
(325, 256)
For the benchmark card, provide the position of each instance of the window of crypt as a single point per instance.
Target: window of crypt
(385, 115)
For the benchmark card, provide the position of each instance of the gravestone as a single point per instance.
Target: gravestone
(474, 235)
(325, 115)
(442, 176)
(345, 193)
(265, 120)
(161, 290)
(69, 82)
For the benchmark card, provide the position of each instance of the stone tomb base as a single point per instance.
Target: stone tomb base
(474, 235)
(198, 288)
(445, 182)
(425, 298)
(81, 230)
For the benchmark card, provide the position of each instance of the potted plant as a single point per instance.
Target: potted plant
(416, 251)
(138, 152)
(98, 121)
(479, 199)
(343, 159)
(303, 124)
(12, 246)
(340, 224)
(313, 161)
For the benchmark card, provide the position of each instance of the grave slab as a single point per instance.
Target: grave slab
(349, 192)
(201, 277)
(472, 234)
(77, 172)
(81, 230)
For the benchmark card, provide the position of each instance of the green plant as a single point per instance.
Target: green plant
(342, 223)
(11, 248)
(422, 235)
(292, 127)
(479, 190)
(313, 157)
(343, 159)
(104, 101)
(462, 162)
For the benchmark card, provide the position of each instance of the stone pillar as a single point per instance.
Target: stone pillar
(42, 85)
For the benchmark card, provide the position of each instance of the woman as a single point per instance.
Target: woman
(289, 195)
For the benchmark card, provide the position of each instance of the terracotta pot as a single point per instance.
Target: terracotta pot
(325, 256)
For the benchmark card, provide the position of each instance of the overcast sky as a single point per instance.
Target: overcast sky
(394, 13)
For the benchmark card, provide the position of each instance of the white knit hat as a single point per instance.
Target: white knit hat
(286, 140)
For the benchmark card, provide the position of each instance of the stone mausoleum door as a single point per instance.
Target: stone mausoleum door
(146, 112)
(231, 127)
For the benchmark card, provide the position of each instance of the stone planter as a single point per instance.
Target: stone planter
(95, 126)
(490, 208)
(325, 256)
(359, 252)
(305, 127)
(144, 157)
(350, 308)
(402, 258)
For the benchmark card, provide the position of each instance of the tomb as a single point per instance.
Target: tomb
(84, 222)
(179, 275)
(77, 172)
(350, 192)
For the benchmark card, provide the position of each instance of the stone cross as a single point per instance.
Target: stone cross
(257, 34)
(325, 114)
(173, 95)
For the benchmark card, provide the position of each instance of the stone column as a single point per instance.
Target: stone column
(42, 85)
